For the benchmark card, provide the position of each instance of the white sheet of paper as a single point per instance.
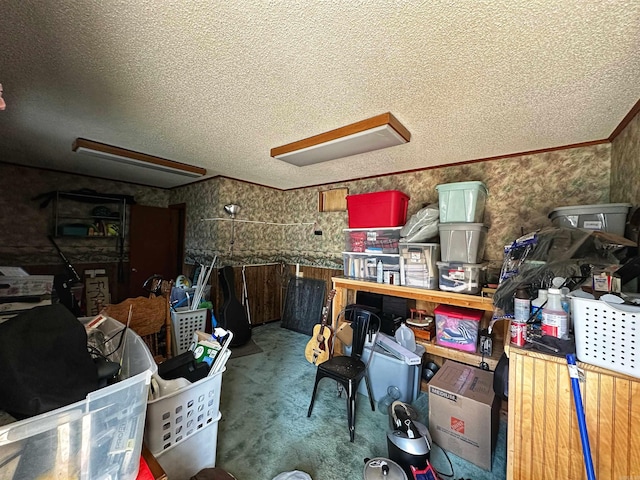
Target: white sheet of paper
(13, 272)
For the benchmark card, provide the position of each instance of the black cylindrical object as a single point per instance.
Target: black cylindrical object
(407, 451)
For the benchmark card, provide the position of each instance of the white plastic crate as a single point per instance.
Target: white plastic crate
(99, 437)
(185, 459)
(607, 335)
(185, 323)
(173, 418)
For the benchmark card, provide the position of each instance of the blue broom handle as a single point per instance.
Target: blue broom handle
(584, 435)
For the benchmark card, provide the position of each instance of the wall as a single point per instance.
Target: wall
(625, 164)
(522, 191)
(24, 226)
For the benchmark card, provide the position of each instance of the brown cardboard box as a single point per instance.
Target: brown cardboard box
(463, 412)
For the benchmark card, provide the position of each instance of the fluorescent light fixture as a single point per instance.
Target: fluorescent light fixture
(129, 157)
(374, 133)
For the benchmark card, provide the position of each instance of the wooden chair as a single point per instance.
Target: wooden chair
(148, 317)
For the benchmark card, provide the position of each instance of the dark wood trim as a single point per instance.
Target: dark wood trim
(625, 121)
(361, 126)
(142, 157)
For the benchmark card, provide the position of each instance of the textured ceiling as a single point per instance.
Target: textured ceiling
(218, 84)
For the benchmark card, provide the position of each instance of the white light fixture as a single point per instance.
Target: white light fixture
(374, 133)
(129, 157)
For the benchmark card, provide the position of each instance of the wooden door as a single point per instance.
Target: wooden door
(155, 240)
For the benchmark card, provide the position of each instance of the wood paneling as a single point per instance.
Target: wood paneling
(266, 287)
(263, 290)
(543, 434)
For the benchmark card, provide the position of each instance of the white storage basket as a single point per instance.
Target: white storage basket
(607, 335)
(185, 323)
(187, 458)
(174, 418)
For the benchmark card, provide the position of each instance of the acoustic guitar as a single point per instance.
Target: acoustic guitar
(318, 349)
(232, 315)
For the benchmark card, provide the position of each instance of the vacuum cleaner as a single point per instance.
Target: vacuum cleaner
(409, 442)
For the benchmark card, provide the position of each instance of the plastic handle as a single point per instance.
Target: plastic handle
(584, 435)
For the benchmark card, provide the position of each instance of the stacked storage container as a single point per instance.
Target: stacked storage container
(418, 264)
(371, 241)
(462, 236)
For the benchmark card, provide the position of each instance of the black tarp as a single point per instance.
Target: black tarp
(303, 304)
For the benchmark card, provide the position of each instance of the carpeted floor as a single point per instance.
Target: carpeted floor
(264, 429)
(248, 348)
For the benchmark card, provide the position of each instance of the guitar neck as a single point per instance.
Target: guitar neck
(327, 308)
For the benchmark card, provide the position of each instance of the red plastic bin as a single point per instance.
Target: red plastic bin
(377, 209)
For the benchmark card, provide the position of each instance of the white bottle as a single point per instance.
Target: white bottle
(379, 272)
(521, 305)
(405, 337)
(537, 303)
(555, 321)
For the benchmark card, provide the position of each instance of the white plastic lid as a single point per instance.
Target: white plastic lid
(554, 291)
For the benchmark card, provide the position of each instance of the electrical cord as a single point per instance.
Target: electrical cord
(448, 475)
(94, 350)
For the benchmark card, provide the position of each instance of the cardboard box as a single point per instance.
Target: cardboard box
(464, 412)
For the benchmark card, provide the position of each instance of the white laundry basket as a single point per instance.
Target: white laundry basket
(173, 418)
(607, 335)
(185, 323)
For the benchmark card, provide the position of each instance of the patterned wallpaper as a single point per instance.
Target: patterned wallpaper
(24, 226)
(625, 165)
(522, 191)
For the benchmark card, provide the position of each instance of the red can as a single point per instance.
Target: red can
(518, 333)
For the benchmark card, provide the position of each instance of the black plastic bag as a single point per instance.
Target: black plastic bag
(44, 361)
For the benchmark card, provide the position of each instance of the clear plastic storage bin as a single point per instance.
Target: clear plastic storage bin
(457, 327)
(462, 242)
(461, 277)
(97, 438)
(418, 264)
(363, 266)
(462, 202)
(372, 240)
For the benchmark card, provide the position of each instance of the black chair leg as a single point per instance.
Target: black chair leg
(351, 410)
(313, 396)
(366, 382)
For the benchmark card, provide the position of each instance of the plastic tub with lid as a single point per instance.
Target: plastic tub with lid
(607, 217)
(462, 201)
